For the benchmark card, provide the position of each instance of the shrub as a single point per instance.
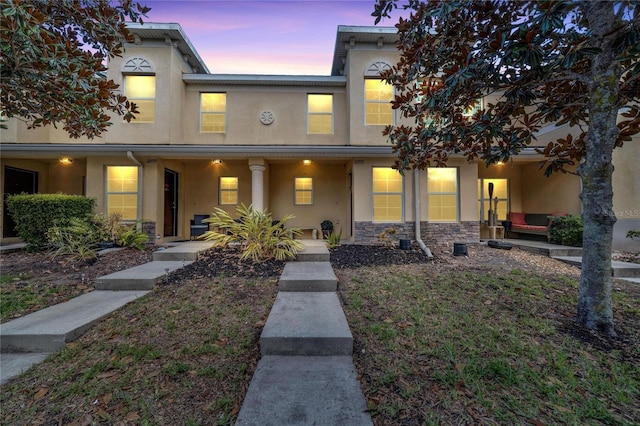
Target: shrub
(333, 239)
(79, 240)
(259, 236)
(633, 234)
(131, 236)
(35, 213)
(566, 230)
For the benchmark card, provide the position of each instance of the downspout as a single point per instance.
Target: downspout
(416, 198)
(140, 175)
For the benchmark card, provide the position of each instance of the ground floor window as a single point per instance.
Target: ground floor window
(442, 186)
(122, 191)
(303, 191)
(228, 191)
(500, 191)
(387, 195)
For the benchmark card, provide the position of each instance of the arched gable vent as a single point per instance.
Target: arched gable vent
(137, 65)
(376, 69)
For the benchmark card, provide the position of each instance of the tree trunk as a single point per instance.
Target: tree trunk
(594, 304)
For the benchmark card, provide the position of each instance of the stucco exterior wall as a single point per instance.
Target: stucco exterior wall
(626, 194)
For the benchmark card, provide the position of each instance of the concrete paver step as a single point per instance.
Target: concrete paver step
(292, 390)
(314, 251)
(618, 269)
(306, 323)
(141, 277)
(187, 251)
(49, 329)
(308, 276)
(14, 364)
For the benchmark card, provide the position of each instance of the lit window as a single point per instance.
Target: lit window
(122, 191)
(320, 114)
(228, 190)
(213, 112)
(387, 195)
(141, 90)
(303, 191)
(378, 96)
(500, 190)
(477, 106)
(442, 186)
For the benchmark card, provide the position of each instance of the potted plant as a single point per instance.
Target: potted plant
(327, 227)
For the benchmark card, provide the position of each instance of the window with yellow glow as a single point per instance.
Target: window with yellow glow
(213, 112)
(387, 195)
(477, 106)
(378, 96)
(141, 90)
(320, 114)
(500, 190)
(228, 190)
(122, 191)
(303, 191)
(442, 188)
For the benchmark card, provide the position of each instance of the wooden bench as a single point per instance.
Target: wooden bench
(531, 223)
(313, 229)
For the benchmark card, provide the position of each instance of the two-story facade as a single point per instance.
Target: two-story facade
(311, 146)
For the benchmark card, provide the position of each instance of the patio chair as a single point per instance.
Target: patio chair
(197, 226)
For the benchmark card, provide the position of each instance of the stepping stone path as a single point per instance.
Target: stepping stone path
(306, 375)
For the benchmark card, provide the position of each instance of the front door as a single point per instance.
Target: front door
(16, 181)
(170, 203)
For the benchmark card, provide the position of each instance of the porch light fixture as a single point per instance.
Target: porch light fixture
(65, 160)
(216, 161)
(499, 163)
(306, 162)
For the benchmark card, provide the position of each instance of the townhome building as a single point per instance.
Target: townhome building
(310, 146)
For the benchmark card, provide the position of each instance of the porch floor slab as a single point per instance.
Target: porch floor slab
(141, 277)
(292, 390)
(306, 323)
(308, 276)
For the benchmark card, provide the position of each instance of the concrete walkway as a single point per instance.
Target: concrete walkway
(30, 339)
(573, 256)
(306, 374)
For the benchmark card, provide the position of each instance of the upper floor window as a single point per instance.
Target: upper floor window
(228, 191)
(387, 195)
(442, 186)
(320, 114)
(213, 112)
(303, 191)
(122, 191)
(377, 97)
(141, 90)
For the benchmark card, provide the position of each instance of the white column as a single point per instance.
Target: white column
(257, 186)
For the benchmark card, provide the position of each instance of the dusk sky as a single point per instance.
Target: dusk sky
(290, 37)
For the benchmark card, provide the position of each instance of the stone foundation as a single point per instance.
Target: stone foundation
(439, 237)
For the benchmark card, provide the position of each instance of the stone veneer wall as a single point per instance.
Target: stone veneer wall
(149, 228)
(439, 237)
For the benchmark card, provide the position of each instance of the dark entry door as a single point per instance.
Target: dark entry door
(16, 181)
(170, 203)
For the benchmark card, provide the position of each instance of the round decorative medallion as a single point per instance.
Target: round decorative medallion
(266, 117)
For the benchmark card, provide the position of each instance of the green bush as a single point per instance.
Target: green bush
(634, 233)
(79, 240)
(259, 236)
(566, 230)
(130, 236)
(334, 239)
(34, 214)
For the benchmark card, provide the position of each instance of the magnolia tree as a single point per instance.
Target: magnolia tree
(574, 63)
(53, 62)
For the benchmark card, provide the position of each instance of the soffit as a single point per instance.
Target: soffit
(264, 80)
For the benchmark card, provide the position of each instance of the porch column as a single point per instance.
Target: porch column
(257, 186)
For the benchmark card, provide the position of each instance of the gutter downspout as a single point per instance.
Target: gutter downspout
(416, 198)
(140, 176)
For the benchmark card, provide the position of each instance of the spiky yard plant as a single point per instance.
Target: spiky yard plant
(259, 236)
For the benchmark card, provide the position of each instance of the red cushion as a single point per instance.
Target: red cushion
(517, 218)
